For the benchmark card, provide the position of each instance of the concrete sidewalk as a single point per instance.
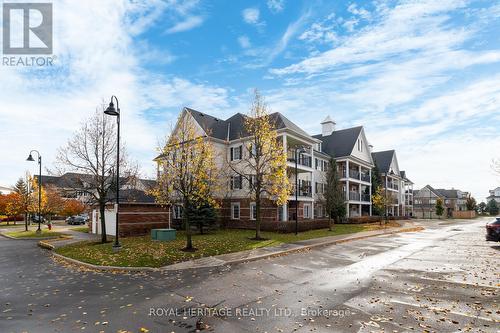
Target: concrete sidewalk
(243, 256)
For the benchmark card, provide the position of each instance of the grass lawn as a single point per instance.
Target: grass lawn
(143, 252)
(32, 234)
(81, 229)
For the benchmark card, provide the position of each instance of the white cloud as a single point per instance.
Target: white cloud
(251, 15)
(189, 23)
(289, 33)
(276, 6)
(244, 42)
(41, 108)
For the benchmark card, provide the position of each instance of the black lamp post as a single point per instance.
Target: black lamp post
(385, 200)
(112, 111)
(298, 150)
(31, 159)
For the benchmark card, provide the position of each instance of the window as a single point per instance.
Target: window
(316, 161)
(320, 148)
(236, 153)
(280, 213)
(236, 182)
(253, 211)
(251, 181)
(307, 211)
(178, 212)
(252, 151)
(318, 211)
(235, 210)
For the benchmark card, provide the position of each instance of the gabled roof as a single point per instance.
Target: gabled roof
(339, 143)
(213, 126)
(383, 160)
(234, 127)
(403, 175)
(449, 194)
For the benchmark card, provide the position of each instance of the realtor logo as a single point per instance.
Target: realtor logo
(27, 28)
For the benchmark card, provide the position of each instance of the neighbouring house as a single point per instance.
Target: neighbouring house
(73, 185)
(6, 190)
(395, 182)
(425, 199)
(348, 146)
(494, 195)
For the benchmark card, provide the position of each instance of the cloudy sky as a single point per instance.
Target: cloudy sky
(423, 77)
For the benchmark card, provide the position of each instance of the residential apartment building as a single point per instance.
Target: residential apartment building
(494, 195)
(425, 201)
(348, 146)
(395, 182)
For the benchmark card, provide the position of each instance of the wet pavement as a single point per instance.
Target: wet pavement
(443, 279)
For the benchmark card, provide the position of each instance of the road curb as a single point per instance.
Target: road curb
(50, 247)
(30, 238)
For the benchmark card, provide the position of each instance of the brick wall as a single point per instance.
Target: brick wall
(463, 214)
(139, 219)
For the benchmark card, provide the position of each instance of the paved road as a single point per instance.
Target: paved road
(444, 279)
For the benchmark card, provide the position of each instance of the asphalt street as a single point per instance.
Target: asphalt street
(443, 279)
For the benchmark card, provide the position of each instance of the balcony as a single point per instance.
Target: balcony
(304, 191)
(354, 196)
(365, 177)
(354, 174)
(365, 197)
(303, 159)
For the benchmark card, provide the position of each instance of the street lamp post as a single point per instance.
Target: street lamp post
(298, 150)
(31, 159)
(112, 111)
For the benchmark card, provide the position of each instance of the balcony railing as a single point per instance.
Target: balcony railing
(354, 174)
(355, 196)
(303, 160)
(365, 177)
(365, 197)
(304, 191)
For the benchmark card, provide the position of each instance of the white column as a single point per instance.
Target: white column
(347, 186)
(313, 187)
(370, 190)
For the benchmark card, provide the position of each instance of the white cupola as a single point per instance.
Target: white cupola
(327, 126)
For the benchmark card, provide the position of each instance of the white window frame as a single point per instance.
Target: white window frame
(178, 212)
(308, 210)
(253, 206)
(233, 205)
(234, 156)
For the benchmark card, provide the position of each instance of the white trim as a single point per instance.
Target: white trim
(253, 204)
(235, 204)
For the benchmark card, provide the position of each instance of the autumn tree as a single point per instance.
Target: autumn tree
(376, 183)
(382, 199)
(187, 171)
(13, 205)
(52, 202)
(334, 195)
(439, 207)
(265, 168)
(91, 155)
(471, 203)
(72, 207)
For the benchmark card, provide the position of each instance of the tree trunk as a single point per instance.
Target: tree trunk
(26, 221)
(102, 209)
(329, 223)
(257, 218)
(189, 242)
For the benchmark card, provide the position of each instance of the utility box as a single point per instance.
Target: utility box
(163, 234)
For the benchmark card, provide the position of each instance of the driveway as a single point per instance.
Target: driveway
(443, 279)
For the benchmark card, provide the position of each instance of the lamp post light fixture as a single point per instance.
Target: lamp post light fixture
(115, 112)
(31, 159)
(298, 150)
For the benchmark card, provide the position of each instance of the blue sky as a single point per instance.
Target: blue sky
(423, 77)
